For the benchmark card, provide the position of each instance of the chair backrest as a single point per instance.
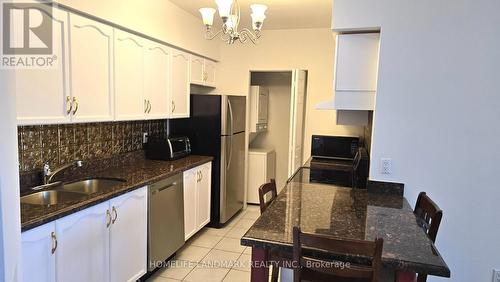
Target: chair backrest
(266, 188)
(315, 268)
(428, 214)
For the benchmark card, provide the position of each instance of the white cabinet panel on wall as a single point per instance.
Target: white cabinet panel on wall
(356, 70)
(197, 193)
(83, 245)
(38, 253)
(179, 107)
(210, 67)
(91, 69)
(157, 60)
(128, 237)
(129, 76)
(197, 72)
(41, 93)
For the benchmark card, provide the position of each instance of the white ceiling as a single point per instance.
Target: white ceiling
(281, 14)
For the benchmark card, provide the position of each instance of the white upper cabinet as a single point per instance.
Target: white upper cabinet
(210, 67)
(179, 106)
(356, 70)
(38, 253)
(202, 71)
(83, 245)
(41, 94)
(157, 61)
(128, 237)
(197, 73)
(91, 69)
(129, 76)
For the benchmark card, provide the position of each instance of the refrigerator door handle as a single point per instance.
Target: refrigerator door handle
(231, 135)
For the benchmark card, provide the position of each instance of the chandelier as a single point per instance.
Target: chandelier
(229, 11)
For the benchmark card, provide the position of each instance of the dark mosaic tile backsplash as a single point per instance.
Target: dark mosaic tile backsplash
(60, 144)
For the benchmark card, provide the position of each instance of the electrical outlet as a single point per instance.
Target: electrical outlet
(385, 166)
(496, 275)
(144, 137)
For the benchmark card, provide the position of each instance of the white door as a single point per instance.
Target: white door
(83, 245)
(38, 253)
(129, 76)
(197, 72)
(41, 94)
(190, 205)
(209, 72)
(91, 69)
(157, 80)
(179, 107)
(203, 194)
(128, 240)
(299, 88)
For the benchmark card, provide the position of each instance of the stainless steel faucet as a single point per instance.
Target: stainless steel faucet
(48, 174)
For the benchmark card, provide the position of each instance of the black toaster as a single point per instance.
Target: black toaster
(170, 148)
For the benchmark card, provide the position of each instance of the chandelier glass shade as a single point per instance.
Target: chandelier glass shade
(230, 14)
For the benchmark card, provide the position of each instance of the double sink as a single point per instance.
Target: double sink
(64, 193)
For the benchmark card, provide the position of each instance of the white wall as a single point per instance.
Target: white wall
(308, 49)
(157, 18)
(10, 226)
(278, 133)
(437, 114)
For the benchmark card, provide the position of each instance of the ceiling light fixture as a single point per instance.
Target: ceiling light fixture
(229, 12)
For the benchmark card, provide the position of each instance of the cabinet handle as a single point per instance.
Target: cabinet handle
(201, 175)
(145, 106)
(149, 106)
(76, 105)
(54, 242)
(108, 218)
(116, 215)
(173, 106)
(68, 102)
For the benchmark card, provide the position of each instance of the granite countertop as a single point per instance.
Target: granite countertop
(136, 170)
(351, 214)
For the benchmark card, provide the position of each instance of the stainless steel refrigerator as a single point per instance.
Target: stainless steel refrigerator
(216, 127)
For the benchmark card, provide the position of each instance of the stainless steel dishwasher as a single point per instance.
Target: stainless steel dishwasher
(165, 220)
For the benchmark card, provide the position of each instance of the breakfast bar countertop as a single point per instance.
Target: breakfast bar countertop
(133, 167)
(347, 213)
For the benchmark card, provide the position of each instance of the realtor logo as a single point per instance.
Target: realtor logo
(27, 35)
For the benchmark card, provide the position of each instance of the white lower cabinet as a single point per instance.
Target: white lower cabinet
(106, 242)
(128, 237)
(83, 245)
(197, 193)
(38, 253)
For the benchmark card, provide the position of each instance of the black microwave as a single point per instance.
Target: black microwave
(171, 148)
(334, 147)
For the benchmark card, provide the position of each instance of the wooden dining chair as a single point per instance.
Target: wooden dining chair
(274, 255)
(429, 217)
(313, 269)
(264, 190)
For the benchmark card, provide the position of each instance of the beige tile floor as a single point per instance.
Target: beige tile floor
(213, 254)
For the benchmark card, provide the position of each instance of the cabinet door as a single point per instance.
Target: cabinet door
(91, 69)
(41, 94)
(157, 79)
(209, 73)
(128, 240)
(38, 257)
(83, 245)
(129, 76)
(179, 107)
(203, 195)
(190, 205)
(197, 72)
